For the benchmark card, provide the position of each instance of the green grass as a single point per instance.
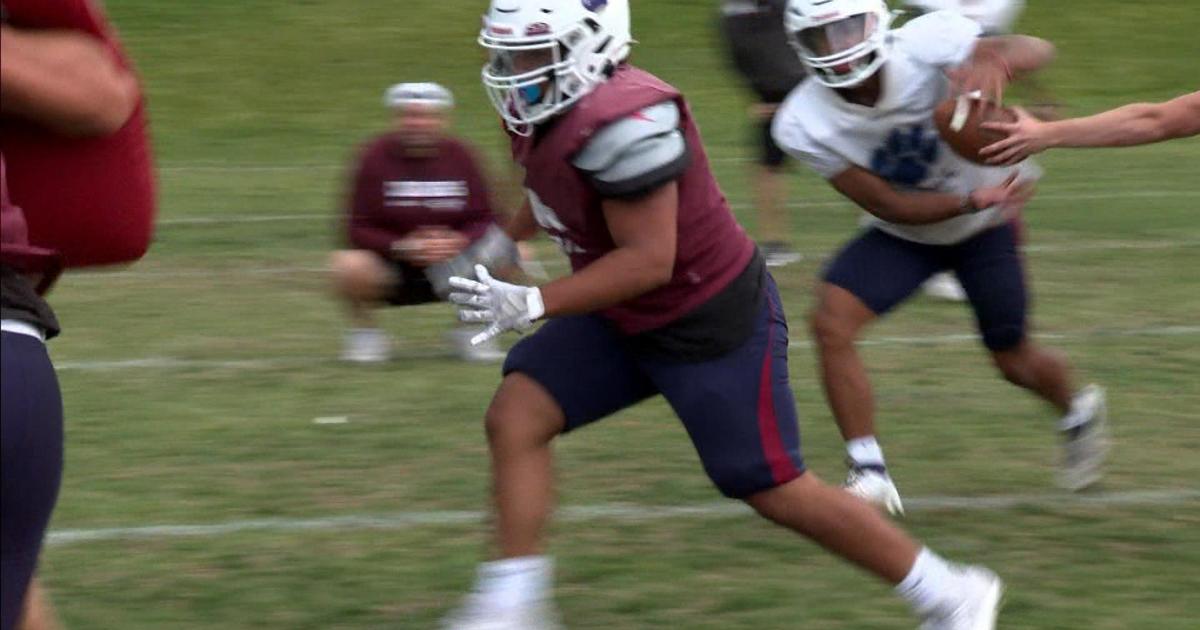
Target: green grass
(257, 106)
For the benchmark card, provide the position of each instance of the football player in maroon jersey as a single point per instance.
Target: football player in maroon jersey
(668, 296)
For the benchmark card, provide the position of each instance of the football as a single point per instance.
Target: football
(958, 121)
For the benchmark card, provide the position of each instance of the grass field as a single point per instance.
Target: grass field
(192, 380)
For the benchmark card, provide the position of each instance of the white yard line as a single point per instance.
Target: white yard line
(109, 365)
(607, 511)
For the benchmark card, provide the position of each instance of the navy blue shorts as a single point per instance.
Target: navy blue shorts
(883, 270)
(31, 440)
(738, 408)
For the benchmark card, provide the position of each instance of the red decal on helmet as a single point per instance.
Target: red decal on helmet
(537, 28)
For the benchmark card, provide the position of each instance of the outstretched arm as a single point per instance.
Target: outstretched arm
(1138, 123)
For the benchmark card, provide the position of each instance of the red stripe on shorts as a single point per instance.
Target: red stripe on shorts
(782, 469)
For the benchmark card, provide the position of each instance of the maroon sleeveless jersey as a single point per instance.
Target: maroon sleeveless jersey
(711, 248)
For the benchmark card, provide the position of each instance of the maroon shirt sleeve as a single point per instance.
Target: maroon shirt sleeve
(477, 216)
(364, 226)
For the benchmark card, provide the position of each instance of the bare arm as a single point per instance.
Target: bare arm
(65, 80)
(997, 61)
(1023, 54)
(876, 196)
(644, 232)
(1138, 123)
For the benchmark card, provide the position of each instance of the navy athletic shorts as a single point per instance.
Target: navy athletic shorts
(883, 270)
(737, 408)
(31, 438)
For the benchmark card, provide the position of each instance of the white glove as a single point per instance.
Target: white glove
(505, 306)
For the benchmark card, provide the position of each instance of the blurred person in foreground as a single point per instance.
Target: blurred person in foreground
(667, 296)
(756, 44)
(1129, 125)
(419, 200)
(76, 189)
(863, 121)
(995, 17)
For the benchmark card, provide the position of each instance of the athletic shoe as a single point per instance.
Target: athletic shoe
(1086, 442)
(476, 615)
(366, 345)
(778, 253)
(977, 607)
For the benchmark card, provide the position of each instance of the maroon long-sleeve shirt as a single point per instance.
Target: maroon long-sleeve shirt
(394, 193)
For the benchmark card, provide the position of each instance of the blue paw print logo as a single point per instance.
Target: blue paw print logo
(906, 155)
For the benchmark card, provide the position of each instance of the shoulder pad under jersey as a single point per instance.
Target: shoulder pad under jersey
(636, 153)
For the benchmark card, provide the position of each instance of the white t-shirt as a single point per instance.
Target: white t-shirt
(896, 139)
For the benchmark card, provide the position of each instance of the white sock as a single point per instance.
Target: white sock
(929, 583)
(515, 582)
(865, 451)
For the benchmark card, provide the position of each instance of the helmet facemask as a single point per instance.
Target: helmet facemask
(846, 52)
(531, 78)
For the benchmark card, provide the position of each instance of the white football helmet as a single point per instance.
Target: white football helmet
(546, 54)
(842, 42)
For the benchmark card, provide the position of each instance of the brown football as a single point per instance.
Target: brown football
(958, 121)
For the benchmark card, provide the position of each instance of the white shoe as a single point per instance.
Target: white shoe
(876, 487)
(474, 614)
(977, 608)
(1087, 442)
(944, 286)
(486, 352)
(366, 345)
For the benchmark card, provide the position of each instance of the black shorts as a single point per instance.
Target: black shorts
(411, 286)
(760, 52)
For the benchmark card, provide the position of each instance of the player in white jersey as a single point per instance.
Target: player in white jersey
(865, 124)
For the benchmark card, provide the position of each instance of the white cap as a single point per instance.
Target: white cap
(404, 94)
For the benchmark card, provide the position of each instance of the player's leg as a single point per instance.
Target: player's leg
(569, 373)
(770, 188)
(758, 49)
(38, 613)
(362, 281)
(869, 277)
(992, 272)
(740, 414)
(31, 424)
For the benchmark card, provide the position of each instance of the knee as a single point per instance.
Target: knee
(516, 421)
(829, 330)
(1012, 364)
(353, 273)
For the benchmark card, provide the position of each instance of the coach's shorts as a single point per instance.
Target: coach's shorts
(883, 270)
(31, 438)
(738, 409)
(411, 287)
